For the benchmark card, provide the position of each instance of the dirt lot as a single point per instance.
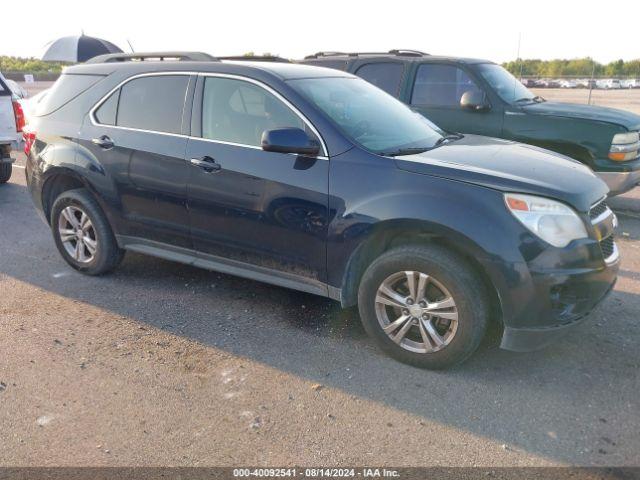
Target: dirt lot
(624, 99)
(165, 364)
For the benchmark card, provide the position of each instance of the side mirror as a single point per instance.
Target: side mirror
(289, 140)
(474, 100)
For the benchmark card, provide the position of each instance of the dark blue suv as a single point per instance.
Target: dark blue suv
(313, 179)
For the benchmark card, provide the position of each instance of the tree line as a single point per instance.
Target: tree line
(28, 65)
(579, 67)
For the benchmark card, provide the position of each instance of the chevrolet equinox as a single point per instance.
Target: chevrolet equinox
(314, 179)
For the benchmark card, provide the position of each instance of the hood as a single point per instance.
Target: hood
(629, 120)
(510, 167)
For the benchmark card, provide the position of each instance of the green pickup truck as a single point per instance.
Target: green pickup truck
(480, 97)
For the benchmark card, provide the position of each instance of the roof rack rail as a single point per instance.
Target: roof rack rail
(408, 53)
(330, 54)
(256, 58)
(151, 56)
(400, 52)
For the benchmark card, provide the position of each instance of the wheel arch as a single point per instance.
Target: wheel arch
(394, 233)
(59, 180)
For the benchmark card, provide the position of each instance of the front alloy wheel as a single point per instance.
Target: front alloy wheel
(424, 305)
(416, 311)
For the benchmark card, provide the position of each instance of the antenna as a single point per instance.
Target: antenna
(593, 72)
(518, 60)
(131, 46)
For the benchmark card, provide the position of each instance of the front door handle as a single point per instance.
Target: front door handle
(206, 163)
(103, 142)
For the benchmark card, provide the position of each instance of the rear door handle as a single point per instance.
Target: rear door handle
(206, 163)
(103, 142)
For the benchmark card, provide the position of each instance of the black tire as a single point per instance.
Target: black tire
(107, 253)
(452, 272)
(5, 172)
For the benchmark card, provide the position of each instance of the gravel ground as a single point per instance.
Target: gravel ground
(164, 364)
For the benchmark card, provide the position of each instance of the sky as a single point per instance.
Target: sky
(488, 29)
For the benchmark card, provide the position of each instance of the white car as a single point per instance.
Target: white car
(630, 83)
(11, 123)
(568, 84)
(609, 84)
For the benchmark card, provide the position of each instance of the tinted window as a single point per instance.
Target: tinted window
(506, 85)
(441, 85)
(386, 76)
(335, 64)
(66, 88)
(238, 112)
(106, 113)
(153, 103)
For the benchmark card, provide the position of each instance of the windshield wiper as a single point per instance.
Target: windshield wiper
(448, 138)
(413, 150)
(404, 151)
(536, 99)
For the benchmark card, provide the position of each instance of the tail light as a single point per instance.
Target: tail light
(29, 138)
(19, 115)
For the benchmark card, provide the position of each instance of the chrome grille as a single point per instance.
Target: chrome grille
(598, 209)
(607, 246)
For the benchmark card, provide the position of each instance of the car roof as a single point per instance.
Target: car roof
(351, 57)
(280, 70)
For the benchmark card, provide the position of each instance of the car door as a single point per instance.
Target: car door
(137, 135)
(436, 94)
(257, 209)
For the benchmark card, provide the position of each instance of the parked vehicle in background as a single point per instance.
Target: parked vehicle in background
(480, 97)
(316, 180)
(609, 84)
(568, 84)
(31, 103)
(11, 123)
(630, 83)
(17, 90)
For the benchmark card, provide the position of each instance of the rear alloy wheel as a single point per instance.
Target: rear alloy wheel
(77, 234)
(424, 305)
(83, 234)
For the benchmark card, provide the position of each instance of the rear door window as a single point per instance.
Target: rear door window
(384, 75)
(152, 103)
(440, 85)
(66, 88)
(238, 112)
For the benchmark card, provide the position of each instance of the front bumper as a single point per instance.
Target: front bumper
(620, 182)
(529, 339)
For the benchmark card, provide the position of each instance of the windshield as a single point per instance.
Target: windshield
(506, 85)
(368, 115)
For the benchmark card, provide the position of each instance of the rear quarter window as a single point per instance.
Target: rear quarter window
(66, 88)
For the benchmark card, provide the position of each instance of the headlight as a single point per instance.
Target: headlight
(625, 146)
(552, 221)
